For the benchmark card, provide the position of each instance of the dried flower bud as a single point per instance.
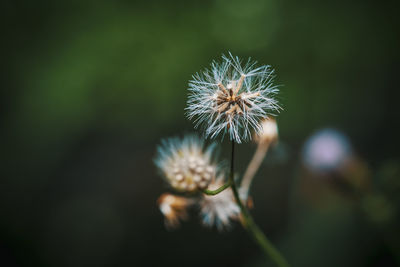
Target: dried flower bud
(174, 209)
(269, 132)
(185, 164)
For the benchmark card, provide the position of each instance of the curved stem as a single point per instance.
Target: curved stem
(252, 168)
(218, 190)
(249, 224)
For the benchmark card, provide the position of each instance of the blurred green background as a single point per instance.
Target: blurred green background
(90, 87)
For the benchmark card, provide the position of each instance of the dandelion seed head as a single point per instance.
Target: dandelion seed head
(232, 97)
(186, 164)
(221, 209)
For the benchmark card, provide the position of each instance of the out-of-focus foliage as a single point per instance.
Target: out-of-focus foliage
(89, 87)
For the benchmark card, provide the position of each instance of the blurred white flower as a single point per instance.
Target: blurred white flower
(186, 164)
(232, 98)
(221, 209)
(326, 150)
(174, 209)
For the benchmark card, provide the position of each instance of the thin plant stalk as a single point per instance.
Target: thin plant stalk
(268, 248)
(218, 190)
(252, 168)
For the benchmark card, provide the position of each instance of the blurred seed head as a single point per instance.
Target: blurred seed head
(174, 209)
(326, 150)
(232, 97)
(221, 209)
(186, 164)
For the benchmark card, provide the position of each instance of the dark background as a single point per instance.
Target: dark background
(90, 87)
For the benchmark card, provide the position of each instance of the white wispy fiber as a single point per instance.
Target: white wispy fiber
(221, 209)
(232, 97)
(186, 163)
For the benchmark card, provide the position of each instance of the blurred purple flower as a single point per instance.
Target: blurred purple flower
(326, 150)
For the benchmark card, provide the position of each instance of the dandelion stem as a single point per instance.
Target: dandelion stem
(253, 167)
(268, 248)
(218, 190)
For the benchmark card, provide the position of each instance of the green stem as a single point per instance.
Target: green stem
(218, 190)
(249, 224)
